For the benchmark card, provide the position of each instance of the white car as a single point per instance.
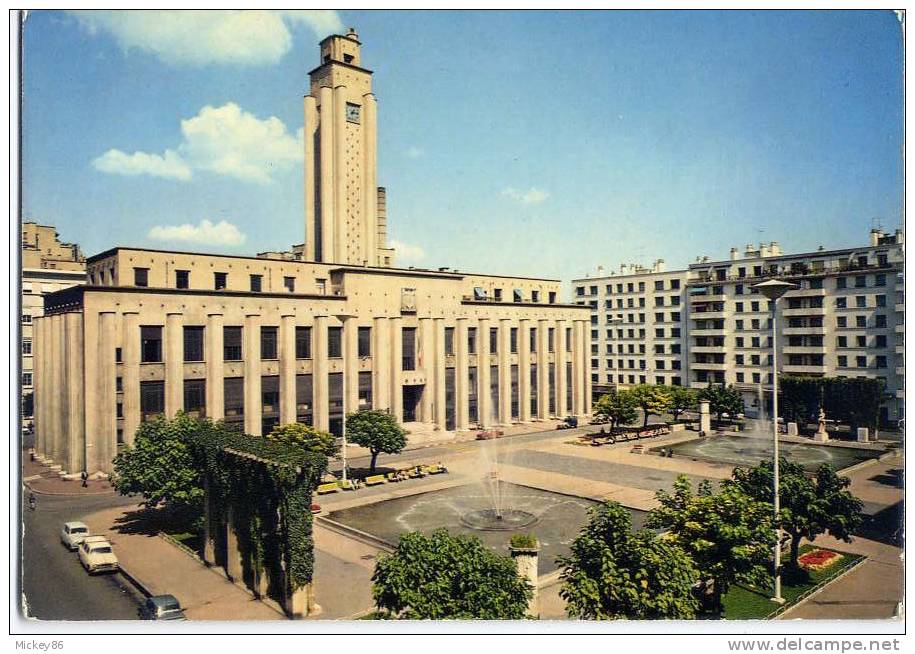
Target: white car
(97, 555)
(72, 534)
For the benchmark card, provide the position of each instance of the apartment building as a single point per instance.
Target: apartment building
(47, 266)
(308, 335)
(638, 320)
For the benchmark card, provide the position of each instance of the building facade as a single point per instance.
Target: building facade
(846, 318)
(306, 336)
(47, 266)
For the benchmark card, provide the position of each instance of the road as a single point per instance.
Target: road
(54, 584)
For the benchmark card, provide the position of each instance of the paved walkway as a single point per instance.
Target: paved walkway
(42, 479)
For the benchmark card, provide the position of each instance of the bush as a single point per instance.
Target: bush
(523, 541)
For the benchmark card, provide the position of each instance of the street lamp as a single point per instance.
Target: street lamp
(773, 289)
(342, 317)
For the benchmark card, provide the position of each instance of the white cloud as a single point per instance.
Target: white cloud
(198, 38)
(169, 165)
(407, 253)
(206, 233)
(225, 140)
(413, 152)
(531, 196)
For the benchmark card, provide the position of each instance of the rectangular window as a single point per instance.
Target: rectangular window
(118, 384)
(513, 340)
(550, 339)
(334, 342)
(289, 284)
(303, 400)
(117, 355)
(841, 341)
(493, 340)
(518, 296)
(880, 280)
(860, 281)
(471, 340)
(861, 362)
(860, 321)
(841, 303)
(533, 389)
(152, 399)
(881, 300)
(841, 322)
(268, 343)
(551, 387)
(26, 379)
(449, 341)
(270, 402)
(842, 363)
(365, 390)
(497, 294)
(533, 337)
(303, 342)
(472, 383)
(195, 397)
(879, 320)
(494, 394)
(150, 344)
(231, 343)
(408, 340)
(26, 346)
(535, 296)
(26, 318)
(365, 341)
(141, 276)
(182, 278)
(256, 282)
(234, 401)
(219, 281)
(861, 301)
(335, 402)
(193, 343)
(569, 338)
(880, 341)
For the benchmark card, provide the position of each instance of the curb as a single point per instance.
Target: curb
(801, 602)
(135, 581)
(43, 492)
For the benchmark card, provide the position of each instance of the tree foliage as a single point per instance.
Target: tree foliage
(808, 506)
(618, 407)
(854, 401)
(305, 437)
(681, 399)
(652, 400)
(376, 430)
(728, 534)
(440, 577)
(801, 398)
(612, 573)
(722, 399)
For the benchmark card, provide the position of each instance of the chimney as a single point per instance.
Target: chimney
(600, 271)
(875, 236)
(775, 249)
(763, 250)
(733, 254)
(660, 265)
(900, 237)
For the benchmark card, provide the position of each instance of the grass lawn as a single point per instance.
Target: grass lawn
(744, 603)
(190, 540)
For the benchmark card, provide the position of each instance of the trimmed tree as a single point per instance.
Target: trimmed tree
(441, 577)
(613, 573)
(682, 399)
(305, 437)
(722, 399)
(652, 400)
(376, 430)
(808, 506)
(728, 534)
(618, 407)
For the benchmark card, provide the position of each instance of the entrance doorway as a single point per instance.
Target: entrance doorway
(412, 395)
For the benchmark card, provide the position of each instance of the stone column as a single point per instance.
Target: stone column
(130, 378)
(381, 364)
(37, 388)
(524, 371)
(461, 382)
(214, 352)
(578, 369)
(61, 391)
(106, 426)
(252, 354)
(562, 408)
(342, 235)
(287, 369)
(75, 460)
(396, 367)
(350, 341)
(174, 363)
(311, 126)
(234, 562)
(326, 178)
(543, 371)
(505, 379)
(526, 560)
(484, 397)
(369, 185)
(705, 418)
(586, 364)
(320, 403)
(55, 377)
(439, 402)
(427, 357)
(210, 523)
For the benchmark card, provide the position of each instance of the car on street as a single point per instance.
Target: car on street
(162, 607)
(72, 534)
(97, 555)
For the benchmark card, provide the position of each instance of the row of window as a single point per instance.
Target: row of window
(479, 294)
(220, 280)
(631, 303)
(632, 364)
(630, 379)
(659, 332)
(795, 268)
(630, 287)
(621, 348)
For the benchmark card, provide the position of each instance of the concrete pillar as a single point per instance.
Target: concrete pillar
(61, 391)
(319, 373)
(210, 522)
(505, 379)
(342, 235)
(350, 340)
(461, 382)
(130, 375)
(543, 371)
(252, 355)
(76, 424)
(524, 371)
(562, 408)
(396, 346)
(326, 176)
(439, 401)
(311, 126)
(427, 365)
(578, 369)
(55, 377)
(215, 390)
(381, 364)
(526, 560)
(37, 388)
(484, 398)
(586, 364)
(287, 362)
(234, 563)
(106, 426)
(705, 418)
(174, 363)
(369, 185)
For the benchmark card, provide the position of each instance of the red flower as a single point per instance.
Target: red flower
(818, 559)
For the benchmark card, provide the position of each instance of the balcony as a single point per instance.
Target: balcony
(900, 370)
(900, 348)
(900, 307)
(707, 349)
(900, 329)
(806, 292)
(802, 369)
(709, 365)
(808, 311)
(802, 331)
(900, 394)
(707, 297)
(804, 349)
(708, 315)
(709, 331)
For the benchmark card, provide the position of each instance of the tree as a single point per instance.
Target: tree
(376, 430)
(808, 506)
(722, 399)
(160, 466)
(613, 573)
(681, 399)
(652, 400)
(618, 407)
(728, 534)
(305, 437)
(441, 576)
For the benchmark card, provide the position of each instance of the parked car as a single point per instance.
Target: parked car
(162, 607)
(97, 555)
(72, 534)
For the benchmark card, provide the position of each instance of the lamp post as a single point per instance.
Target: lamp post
(773, 289)
(343, 317)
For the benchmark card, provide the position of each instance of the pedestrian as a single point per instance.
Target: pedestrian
(32, 501)
(85, 477)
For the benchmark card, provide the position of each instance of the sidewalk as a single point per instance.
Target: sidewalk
(41, 479)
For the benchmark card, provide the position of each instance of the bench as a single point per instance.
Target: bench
(436, 469)
(374, 480)
(395, 476)
(324, 489)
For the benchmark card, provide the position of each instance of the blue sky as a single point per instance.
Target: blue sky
(531, 143)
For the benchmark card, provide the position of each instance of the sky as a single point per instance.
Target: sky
(521, 142)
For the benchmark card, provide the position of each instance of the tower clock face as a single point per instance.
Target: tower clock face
(352, 112)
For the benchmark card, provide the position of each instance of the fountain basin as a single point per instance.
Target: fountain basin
(492, 520)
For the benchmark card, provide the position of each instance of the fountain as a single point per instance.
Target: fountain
(498, 518)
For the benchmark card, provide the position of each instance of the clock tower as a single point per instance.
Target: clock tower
(342, 200)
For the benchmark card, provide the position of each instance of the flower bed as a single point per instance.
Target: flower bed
(818, 559)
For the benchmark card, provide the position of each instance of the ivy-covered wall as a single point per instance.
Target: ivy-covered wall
(852, 401)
